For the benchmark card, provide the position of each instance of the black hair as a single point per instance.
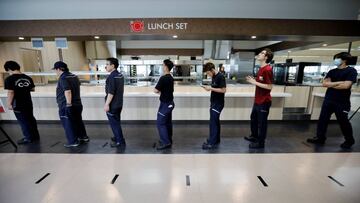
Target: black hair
(11, 65)
(269, 54)
(345, 56)
(208, 67)
(169, 64)
(113, 61)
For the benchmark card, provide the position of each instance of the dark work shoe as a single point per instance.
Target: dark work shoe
(207, 146)
(347, 144)
(163, 146)
(118, 144)
(113, 139)
(256, 145)
(24, 141)
(84, 140)
(316, 140)
(76, 144)
(250, 138)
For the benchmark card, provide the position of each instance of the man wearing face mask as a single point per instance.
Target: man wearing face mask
(165, 87)
(217, 101)
(262, 103)
(337, 100)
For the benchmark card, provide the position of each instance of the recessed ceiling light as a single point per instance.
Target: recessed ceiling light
(289, 51)
(324, 45)
(97, 37)
(21, 38)
(253, 37)
(175, 36)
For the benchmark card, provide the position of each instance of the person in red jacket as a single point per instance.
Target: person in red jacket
(261, 107)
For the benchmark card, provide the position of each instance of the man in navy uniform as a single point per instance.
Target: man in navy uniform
(114, 90)
(337, 100)
(217, 101)
(70, 106)
(165, 87)
(19, 100)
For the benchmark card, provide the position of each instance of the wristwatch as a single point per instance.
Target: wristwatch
(68, 105)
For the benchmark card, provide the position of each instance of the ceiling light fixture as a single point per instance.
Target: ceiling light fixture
(175, 36)
(21, 38)
(324, 45)
(97, 37)
(253, 37)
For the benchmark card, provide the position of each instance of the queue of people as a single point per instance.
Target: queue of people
(338, 82)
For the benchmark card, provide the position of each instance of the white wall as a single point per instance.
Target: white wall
(87, 9)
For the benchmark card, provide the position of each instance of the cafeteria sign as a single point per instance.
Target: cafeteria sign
(140, 26)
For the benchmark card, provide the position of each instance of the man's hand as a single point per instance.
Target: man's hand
(207, 88)
(106, 108)
(251, 80)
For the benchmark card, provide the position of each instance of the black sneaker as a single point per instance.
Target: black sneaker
(250, 138)
(208, 146)
(84, 140)
(163, 146)
(118, 144)
(316, 140)
(24, 141)
(256, 145)
(347, 144)
(76, 144)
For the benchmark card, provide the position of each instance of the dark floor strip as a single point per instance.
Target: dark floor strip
(333, 179)
(114, 179)
(306, 144)
(55, 144)
(262, 181)
(187, 180)
(41, 179)
(4, 144)
(105, 144)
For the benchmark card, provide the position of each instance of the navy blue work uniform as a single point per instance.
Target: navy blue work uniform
(217, 102)
(164, 116)
(338, 102)
(70, 116)
(115, 86)
(22, 104)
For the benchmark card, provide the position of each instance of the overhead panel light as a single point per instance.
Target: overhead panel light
(96, 37)
(21, 38)
(175, 36)
(253, 37)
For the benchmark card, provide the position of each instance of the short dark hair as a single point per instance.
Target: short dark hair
(113, 61)
(208, 67)
(169, 64)
(11, 65)
(269, 54)
(345, 56)
(61, 66)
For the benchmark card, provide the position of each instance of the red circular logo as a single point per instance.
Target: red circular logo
(137, 26)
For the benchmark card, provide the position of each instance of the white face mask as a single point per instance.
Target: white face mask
(337, 62)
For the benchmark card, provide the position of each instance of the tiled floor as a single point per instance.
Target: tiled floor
(218, 178)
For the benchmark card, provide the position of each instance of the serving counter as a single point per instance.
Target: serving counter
(140, 103)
